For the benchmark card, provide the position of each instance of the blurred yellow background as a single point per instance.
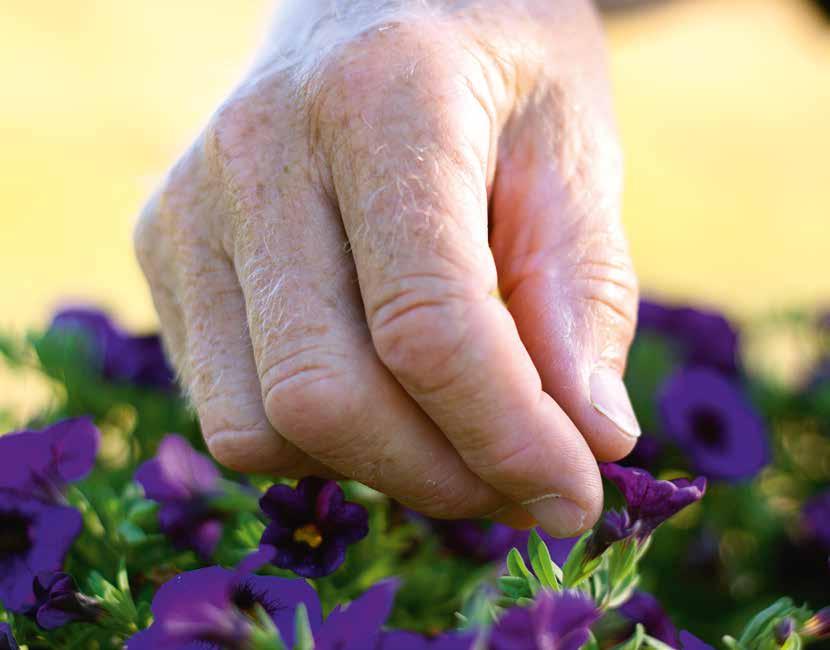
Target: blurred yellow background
(724, 107)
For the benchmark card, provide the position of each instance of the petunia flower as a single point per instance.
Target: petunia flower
(119, 356)
(358, 624)
(689, 641)
(41, 463)
(702, 337)
(783, 630)
(818, 625)
(7, 640)
(213, 608)
(559, 620)
(36, 527)
(613, 527)
(644, 608)
(183, 481)
(404, 640)
(711, 420)
(59, 602)
(651, 501)
(35, 536)
(311, 526)
(816, 518)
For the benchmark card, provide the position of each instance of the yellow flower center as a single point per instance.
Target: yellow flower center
(309, 534)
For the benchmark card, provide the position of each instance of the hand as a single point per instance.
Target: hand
(327, 258)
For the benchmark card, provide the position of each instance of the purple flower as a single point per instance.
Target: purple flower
(689, 641)
(646, 609)
(311, 526)
(34, 537)
(816, 518)
(357, 625)
(818, 625)
(211, 609)
(59, 602)
(183, 481)
(559, 620)
(613, 527)
(652, 501)
(40, 463)
(36, 528)
(711, 420)
(703, 337)
(783, 630)
(119, 356)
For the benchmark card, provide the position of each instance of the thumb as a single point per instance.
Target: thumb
(565, 270)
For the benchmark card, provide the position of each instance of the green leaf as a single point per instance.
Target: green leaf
(543, 566)
(514, 587)
(764, 620)
(577, 568)
(635, 641)
(517, 568)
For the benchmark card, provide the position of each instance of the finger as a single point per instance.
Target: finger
(201, 304)
(322, 385)
(412, 193)
(564, 267)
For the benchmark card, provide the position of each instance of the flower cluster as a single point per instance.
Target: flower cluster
(150, 544)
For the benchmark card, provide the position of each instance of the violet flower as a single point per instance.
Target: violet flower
(119, 356)
(712, 421)
(183, 481)
(212, 608)
(7, 640)
(358, 624)
(818, 625)
(703, 337)
(36, 527)
(59, 602)
(783, 630)
(311, 526)
(560, 620)
(613, 527)
(651, 501)
(403, 640)
(646, 609)
(646, 452)
(815, 518)
(689, 641)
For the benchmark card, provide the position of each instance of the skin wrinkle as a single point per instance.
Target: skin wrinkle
(369, 137)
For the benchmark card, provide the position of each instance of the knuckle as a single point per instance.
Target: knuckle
(306, 393)
(419, 333)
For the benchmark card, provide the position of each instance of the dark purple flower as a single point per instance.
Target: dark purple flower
(613, 527)
(712, 421)
(212, 608)
(703, 337)
(818, 625)
(7, 640)
(40, 463)
(646, 609)
(652, 501)
(816, 518)
(689, 641)
(559, 620)
(35, 536)
(183, 481)
(59, 602)
(311, 526)
(119, 356)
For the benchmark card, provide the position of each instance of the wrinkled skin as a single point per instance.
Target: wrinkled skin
(395, 255)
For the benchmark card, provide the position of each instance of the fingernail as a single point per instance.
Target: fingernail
(609, 397)
(559, 516)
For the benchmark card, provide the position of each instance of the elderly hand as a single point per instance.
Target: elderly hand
(395, 255)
